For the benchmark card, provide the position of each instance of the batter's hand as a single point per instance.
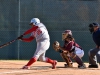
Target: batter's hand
(20, 37)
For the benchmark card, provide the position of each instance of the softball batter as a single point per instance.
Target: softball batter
(40, 33)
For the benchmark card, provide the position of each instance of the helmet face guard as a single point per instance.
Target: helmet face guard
(64, 36)
(91, 29)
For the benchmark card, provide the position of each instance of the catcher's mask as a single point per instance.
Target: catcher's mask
(91, 27)
(66, 34)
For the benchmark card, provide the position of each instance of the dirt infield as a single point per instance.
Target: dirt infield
(13, 67)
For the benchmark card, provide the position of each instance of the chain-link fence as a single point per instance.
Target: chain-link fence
(57, 15)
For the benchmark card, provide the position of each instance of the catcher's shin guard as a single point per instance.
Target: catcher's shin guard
(67, 59)
(77, 59)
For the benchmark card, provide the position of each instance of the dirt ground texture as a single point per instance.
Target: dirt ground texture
(13, 67)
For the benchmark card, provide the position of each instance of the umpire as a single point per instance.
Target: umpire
(95, 31)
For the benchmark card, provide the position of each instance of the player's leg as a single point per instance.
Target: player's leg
(67, 59)
(78, 60)
(39, 50)
(92, 58)
(46, 59)
(40, 53)
(80, 54)
(31, 61)
(98, 56)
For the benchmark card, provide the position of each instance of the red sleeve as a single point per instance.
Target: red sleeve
(30, 30)
(28, 39)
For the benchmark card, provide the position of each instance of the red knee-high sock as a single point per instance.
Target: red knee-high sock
(31, 61)
(48, 60)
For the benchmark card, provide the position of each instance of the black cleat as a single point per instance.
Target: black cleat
(93, 66)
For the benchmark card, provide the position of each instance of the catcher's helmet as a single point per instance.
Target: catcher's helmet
(66, 33)
(91, 29)
(35, 21)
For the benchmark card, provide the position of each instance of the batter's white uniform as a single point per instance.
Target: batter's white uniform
(43, 41)
(40, 33)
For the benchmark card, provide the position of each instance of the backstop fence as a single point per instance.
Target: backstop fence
(57, 15)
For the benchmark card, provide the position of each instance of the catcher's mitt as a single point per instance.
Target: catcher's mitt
(56, 46)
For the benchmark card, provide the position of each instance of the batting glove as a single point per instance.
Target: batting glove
(20, 37)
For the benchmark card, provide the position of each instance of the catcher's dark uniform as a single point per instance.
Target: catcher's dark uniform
(75, 50)
(69, 46)
(94, 52)
(70, 50)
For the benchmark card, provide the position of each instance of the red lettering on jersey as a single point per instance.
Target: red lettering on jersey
(39, 31)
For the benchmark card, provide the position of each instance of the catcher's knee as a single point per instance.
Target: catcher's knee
(73, 55)
(77, 59)
(63, 55)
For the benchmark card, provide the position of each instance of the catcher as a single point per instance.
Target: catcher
(70, 50)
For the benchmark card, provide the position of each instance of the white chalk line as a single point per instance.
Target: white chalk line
(24, 71)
